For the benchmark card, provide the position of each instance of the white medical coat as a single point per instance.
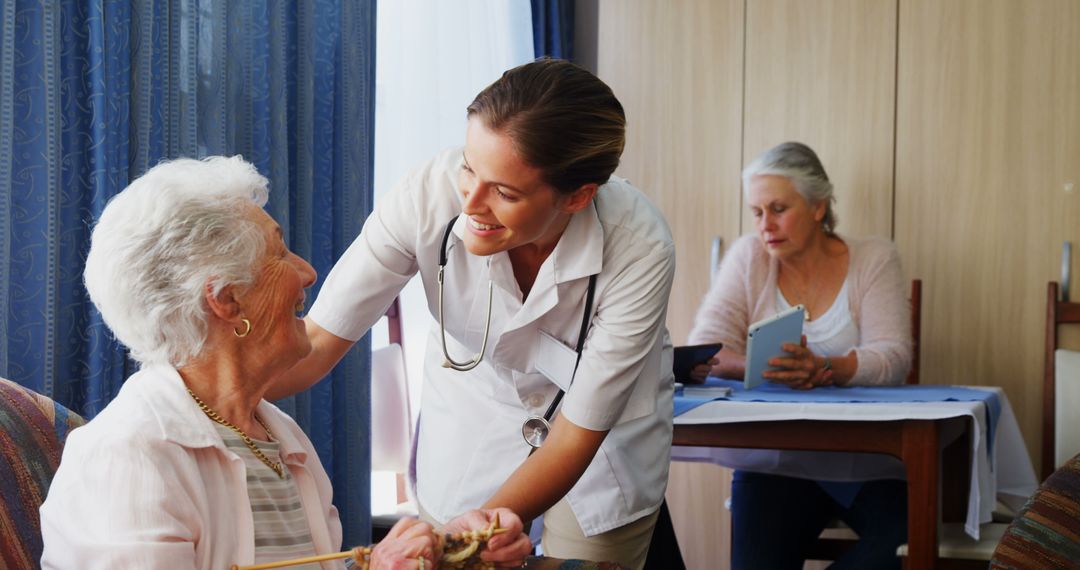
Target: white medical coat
(470, 434)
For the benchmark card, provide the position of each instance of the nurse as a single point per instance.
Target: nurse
(549, 280)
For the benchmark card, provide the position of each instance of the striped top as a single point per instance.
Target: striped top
(281, 527)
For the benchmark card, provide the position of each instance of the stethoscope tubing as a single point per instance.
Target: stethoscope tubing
(535, 429)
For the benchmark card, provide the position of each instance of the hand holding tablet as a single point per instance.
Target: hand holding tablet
(687, 357)
(766, 338)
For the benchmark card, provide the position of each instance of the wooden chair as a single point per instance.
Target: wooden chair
(916, 330)
(391, 418)
(1057, 313)
(1047, 527)
(956, 549)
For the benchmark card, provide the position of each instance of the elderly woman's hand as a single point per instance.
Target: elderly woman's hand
(506, 550)
(410, 544)
(701, 371)
(800, 369)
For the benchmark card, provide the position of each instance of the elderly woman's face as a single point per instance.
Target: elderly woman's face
(274, 302)
(784, 220)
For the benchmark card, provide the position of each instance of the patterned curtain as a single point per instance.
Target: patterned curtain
(94, 93)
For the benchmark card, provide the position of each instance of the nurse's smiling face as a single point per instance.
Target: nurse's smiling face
(507, 202)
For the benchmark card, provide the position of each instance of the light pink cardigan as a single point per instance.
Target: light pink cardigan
(744, 291)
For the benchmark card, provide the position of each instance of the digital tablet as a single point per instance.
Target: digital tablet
(686, 357)
(765, 339)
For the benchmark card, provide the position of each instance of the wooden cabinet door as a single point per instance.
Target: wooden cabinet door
(823, 72)
(987, 169)
(676, 66)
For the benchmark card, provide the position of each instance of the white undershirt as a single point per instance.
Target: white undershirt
(834, 333)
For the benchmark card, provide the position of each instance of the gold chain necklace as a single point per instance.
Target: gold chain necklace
(276, 466)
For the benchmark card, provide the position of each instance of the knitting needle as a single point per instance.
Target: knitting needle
(305, 560)
(338, 555)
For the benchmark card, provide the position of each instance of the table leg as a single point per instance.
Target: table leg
(919, 451)
(955, 470)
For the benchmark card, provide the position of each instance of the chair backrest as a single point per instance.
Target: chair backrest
(391, 439)
(391, 417)
(1055, 394)
(916, 330)
(33, 429)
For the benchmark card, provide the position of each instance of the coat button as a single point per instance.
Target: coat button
(535, 400)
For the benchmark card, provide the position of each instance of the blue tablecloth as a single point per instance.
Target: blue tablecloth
(771, 392)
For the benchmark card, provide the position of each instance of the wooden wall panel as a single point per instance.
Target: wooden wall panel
(823, 72)
(988, 140)
(953, 127)
(677, 68)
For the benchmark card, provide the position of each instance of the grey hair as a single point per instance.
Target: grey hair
(800, 164)
(160, 242)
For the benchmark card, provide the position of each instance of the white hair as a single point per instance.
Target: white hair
(800, 164)
(161, 241)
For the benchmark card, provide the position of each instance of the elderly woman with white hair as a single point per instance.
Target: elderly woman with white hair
(189, 467)
(857, 333)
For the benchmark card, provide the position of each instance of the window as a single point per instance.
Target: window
(432, 58)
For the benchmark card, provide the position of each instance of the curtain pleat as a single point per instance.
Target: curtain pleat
(553, 28)
(7, 120)
(94, 93)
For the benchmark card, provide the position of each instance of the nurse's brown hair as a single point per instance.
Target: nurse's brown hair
(563, 120)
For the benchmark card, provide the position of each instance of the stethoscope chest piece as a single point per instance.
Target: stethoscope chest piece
(535, 430)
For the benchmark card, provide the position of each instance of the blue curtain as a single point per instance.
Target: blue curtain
(553, 28)
(92, 93)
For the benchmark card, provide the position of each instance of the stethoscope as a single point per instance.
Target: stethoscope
(535, 429)
(447, 361)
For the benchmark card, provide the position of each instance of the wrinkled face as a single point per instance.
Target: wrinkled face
(507, 203)
(785, 221)
(275, 301)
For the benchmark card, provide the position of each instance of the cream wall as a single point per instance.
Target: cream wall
(952, 127)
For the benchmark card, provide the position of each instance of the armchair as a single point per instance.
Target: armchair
(33, 429)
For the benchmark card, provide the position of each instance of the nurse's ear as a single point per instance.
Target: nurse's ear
(577, 200)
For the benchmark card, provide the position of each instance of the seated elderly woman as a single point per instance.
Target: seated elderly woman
(189, 467)
(857, 333)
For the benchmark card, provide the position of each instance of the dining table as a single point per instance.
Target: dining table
(961, 447)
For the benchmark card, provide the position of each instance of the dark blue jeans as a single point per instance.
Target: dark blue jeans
(775, 520)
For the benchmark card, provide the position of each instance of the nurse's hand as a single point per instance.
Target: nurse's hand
(506, 550)
(407, 542)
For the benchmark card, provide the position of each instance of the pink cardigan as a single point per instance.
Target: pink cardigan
(744, 291)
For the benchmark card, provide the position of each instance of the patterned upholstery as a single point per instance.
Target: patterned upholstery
(1046, 532)
(32, 433)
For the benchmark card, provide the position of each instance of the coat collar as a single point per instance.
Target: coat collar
(182, 422)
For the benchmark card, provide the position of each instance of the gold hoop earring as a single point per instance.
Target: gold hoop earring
(247, 329)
